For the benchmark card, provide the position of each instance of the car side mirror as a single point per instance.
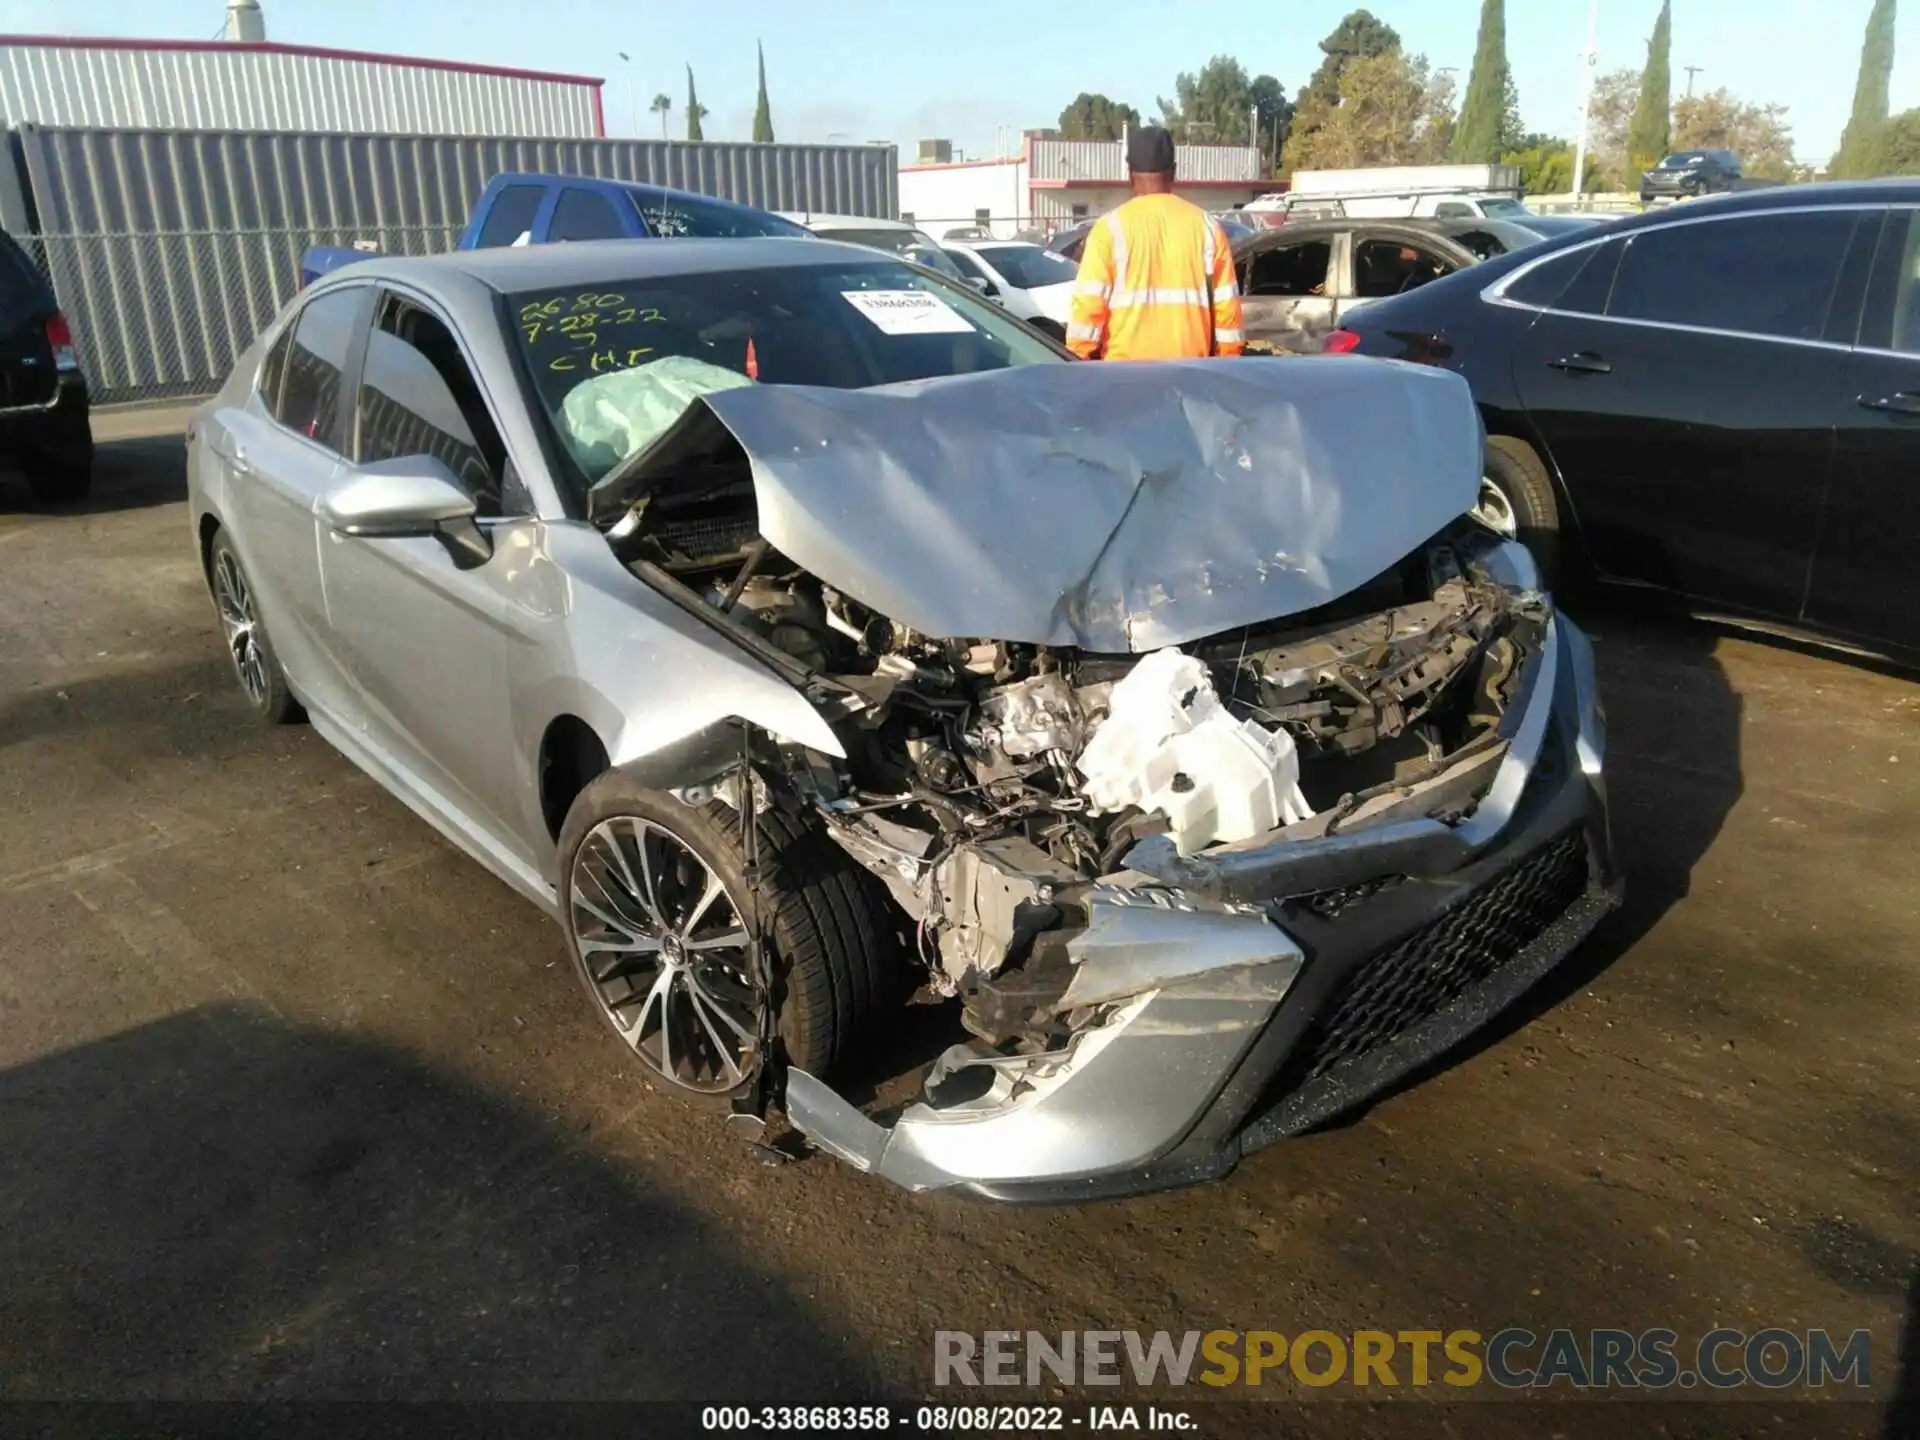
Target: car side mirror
(409, 496)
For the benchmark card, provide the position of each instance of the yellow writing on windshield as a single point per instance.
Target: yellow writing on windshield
(566, 334)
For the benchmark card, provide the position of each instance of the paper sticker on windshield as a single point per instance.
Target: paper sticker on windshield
(908, 312)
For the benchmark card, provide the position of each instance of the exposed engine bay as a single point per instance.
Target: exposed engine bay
(998, 788)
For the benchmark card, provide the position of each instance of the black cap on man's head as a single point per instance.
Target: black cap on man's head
(1150, 151)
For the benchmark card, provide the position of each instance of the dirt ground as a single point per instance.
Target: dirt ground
(297, 1102)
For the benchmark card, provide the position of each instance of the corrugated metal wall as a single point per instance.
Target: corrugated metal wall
(125, 179)
(170, 250)
(243, 87)
(1106, 160)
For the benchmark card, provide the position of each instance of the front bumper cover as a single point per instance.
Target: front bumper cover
(1396, 942)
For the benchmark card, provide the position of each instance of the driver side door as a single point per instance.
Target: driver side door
(431, 642)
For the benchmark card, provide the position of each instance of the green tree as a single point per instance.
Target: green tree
(1360, 35)
(1861, 138)
(1650, 135)
(1091, 116)
(1608, 118)
(1276, 116)
(1477, 133)
(662, 103)
(1897, 150)
(1546, 166)
(1213, 106)
(762, 111)
(1393, 111)
(695, 110)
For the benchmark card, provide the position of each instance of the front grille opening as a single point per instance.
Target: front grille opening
(1398, 989)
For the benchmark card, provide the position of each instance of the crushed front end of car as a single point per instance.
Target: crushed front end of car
(1221, 769)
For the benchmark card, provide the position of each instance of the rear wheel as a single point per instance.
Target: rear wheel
(255, 665)
(656, 904)
(1517, 500)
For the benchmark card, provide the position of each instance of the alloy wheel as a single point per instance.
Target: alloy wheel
(664, 948)
(241, 623)
(1495, 510)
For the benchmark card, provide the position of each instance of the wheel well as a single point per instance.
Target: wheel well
(571, 756)
(209, 527)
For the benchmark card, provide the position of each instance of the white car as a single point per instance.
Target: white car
(1033, 283)
(896, 237)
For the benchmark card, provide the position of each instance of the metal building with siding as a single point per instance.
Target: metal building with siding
(225, 85)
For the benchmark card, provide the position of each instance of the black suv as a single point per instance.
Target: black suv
(43, 396)
(1719, 399)
(1687, 173)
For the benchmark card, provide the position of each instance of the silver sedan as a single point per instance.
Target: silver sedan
(799, 631)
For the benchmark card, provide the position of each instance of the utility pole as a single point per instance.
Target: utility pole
(1590, 57)
(1692, 70)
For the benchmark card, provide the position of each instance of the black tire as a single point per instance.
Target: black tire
(1519, 476)
(835, 957)
(266, 692)
(59, 480)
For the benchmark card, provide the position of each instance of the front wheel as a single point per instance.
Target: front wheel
(255, 665)
(1517, 501)
(656, 905)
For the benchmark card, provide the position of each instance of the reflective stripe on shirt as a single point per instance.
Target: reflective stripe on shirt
(1132, 299)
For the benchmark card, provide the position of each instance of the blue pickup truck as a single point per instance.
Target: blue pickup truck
(540, 209)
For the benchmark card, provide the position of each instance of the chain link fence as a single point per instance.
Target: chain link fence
(162, 315)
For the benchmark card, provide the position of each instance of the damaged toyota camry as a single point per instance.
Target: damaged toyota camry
(804, 634)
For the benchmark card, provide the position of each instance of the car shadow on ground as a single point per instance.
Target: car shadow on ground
(1673, 773)
(130, 474)
(222, 1204)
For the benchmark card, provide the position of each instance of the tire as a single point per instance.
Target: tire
(1515, 479)
(59, 480)
(835, 960)
(256, 668)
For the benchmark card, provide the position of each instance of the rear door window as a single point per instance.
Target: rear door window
(511, 216)
(1761, 274)
(418, 396)
(1392, 267)
(1290, 269)
(308, 389)
(584, 215)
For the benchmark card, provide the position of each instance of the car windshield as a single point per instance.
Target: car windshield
(1684, 162)
(613, 365)
(1500, 208)
(1029, 266)
(921, 249)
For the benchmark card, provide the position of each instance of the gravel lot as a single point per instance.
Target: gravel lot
(295, 1101)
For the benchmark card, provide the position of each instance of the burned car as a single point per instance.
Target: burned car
(800, 632)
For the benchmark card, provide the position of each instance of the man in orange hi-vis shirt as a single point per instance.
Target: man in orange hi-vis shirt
(1156, 276)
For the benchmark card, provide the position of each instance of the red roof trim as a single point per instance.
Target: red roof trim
(963, 164)
(88, 42)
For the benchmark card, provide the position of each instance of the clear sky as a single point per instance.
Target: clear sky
(853, 70)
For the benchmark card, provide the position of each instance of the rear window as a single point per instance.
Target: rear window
(316, 353)
(682, 215)
(1762, 274)
(612, 366)
(909, 244)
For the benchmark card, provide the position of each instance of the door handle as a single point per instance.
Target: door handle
(1903, 402)
(1581, 362)
(239, 462)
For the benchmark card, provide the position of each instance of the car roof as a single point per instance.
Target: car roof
(540, 177)
(594, 262)
(1896, 191)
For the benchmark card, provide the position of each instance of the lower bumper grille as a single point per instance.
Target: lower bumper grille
(1403, 987)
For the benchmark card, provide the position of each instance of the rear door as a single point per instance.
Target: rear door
(581, 214)
(1865, 580)
(1687, 391)
(1288, 291)
(282, 452)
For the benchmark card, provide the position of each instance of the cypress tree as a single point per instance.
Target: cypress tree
(694, 110)
(1650, 133)
(1858, 155)
(762, 111)
(1476, 135)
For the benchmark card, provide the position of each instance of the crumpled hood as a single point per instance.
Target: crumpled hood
(1115, 507)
